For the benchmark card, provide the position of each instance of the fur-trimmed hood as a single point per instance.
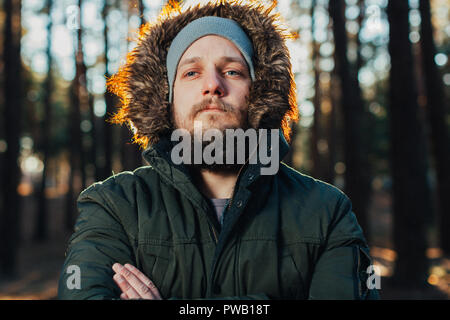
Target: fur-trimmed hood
(142, 84)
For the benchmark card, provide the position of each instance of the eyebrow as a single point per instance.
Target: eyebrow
(225, 59)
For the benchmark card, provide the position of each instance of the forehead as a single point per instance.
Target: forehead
(211, 47)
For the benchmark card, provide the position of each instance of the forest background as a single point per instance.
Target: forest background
(373, 81)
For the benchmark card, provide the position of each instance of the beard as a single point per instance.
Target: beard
(225, 153)
(223, 150)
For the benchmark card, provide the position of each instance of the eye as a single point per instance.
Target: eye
(190, 73)
(233, 73)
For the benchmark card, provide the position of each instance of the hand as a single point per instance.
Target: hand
(133, 283)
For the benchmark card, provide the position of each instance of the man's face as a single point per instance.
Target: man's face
(212, 85)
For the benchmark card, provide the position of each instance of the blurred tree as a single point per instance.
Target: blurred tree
(411, 197)
(357, 182)
(289, 157)
(78, 98)
(9, 216)
(332, 129)
(437, 109)
(141, 12)
(2, 125)
(318, 165)
(130, 153)
(360, 19)
(93, 137)
(41, 232)
(367, 118)
(106, 163)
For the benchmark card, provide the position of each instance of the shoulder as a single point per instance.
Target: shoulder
(124, 185)
(294, 182)
(114, 202)
(120, 195)
(319, 209)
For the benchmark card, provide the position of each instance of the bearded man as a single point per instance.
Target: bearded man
(184, 230)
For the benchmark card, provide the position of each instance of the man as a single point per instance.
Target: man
(224, 230)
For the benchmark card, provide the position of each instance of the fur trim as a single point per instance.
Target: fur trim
(142, 85)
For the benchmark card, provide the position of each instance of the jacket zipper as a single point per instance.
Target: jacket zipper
(226, 208)
(214, 233)
(234, 188)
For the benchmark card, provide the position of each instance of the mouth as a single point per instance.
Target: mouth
(212, 108)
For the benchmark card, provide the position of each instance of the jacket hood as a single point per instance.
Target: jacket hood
(142, 83)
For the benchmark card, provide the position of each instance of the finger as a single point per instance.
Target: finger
(124, 296)
(126, 287)
(139, 281)
(142, 277)
(138, 286)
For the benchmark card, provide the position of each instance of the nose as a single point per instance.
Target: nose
(213, 85)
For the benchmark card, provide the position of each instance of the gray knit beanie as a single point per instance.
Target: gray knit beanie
(201, 27)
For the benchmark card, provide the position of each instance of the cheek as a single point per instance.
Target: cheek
(177, 111)
(182, 102)
(241, 89)
(180, 115)
(242, 94)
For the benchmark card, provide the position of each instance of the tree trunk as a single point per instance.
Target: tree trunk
(356, 173)
(141, 12)
(41, 231)
(74, 156)
(93, 135)
(332, 131)
(130, 153)
(359, 59)
(78, 96)
(437, 110)
(109, 101)
(317, 159)
(411, 198)
(83, 100)
(10, 218)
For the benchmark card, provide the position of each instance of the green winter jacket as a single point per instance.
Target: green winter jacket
(286, 236)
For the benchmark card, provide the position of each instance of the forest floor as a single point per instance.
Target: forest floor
(39, 264)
